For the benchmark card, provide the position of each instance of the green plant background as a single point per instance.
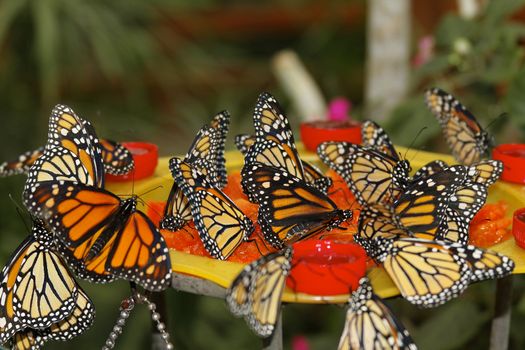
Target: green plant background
(123, 66)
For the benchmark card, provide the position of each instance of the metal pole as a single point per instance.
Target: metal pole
(499, 334)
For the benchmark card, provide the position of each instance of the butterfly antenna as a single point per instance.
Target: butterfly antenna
(20, 212)
(150, 190)
(493, 121)
(413, 141)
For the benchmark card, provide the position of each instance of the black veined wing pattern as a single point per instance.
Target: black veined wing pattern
(72, 154)
(105, 235)
(422, 207)
(290, 209)
(36, 288)
(371, 325)
(485, 264)
(256, 292)
(373, 224)
(76, 323)
(312, 174)
(429, 169)
(373, 177)
(206, 153)
(427, 273)
(376, 138)
(117, 159)
(486, 172)
(22, 164)
(274, 142)
(222, 226)
(464, 135)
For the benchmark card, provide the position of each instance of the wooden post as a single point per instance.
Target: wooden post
(388, 56)
(499, 333)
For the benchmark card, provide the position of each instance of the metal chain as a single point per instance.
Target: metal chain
(125, 309)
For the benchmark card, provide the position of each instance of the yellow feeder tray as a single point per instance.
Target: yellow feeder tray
(223, 272)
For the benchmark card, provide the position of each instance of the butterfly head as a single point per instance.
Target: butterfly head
(400, 176)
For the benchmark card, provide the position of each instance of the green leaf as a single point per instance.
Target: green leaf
(497, 10)
(9, 10)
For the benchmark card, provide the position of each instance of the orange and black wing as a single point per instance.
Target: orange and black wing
(370, 324)
(376, 138)
(373, 177)
(117, 158)
(465, 137)
(289, 208)
(22, 164)
(221, 224)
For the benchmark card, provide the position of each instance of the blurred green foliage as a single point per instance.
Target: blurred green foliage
(481, 62)
(122, 65)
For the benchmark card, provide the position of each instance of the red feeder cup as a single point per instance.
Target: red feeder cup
(145, 155)
(513, 158)
(324, 267)
(315, 133)
(518, 227)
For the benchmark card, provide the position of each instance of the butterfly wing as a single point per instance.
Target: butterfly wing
(421, 208)
(243, 142)
(465, 137)
(177, 211)
(427, 273)
(485, 264)
(256, 292)
(117, 158)
(430, 169)
(36, 287)
(370, 324)
(376, 138)
(22, 164)
(220, 124)
(221, 224)
(372, 177)
(486, 172)
(289, 208)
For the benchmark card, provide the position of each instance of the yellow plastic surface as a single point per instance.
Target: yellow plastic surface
(223, 272)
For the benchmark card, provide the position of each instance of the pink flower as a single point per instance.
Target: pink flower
(425, 51)
(299, 342)
(339, 109)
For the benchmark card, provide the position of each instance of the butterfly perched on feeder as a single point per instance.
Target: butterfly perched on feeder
(313, 175)
(206, 154)
(289, 208)
(370, 324)
(102, 236)
(429, 273)
(468, 141)
(373, 177)
(256, 292)
(222, 226)
(116, 158)
(275, 145)
(39, 297)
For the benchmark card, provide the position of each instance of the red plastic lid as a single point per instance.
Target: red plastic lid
(145, 155)
(315, 133)
(513, 157)
(325, 267)
(518, 227)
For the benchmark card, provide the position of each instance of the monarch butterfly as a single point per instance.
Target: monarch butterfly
(36, 289)
(206, 153)
(105, 236)
(427, 273)
(370, 324)
(76, 323)
(222, 226)
(373, 177)
(256, 292)
(290, 209)
(420, 210)
(430, 169)
(468, 200)
(116, 158)
(274, 142)
(313, 175)
(465, 137)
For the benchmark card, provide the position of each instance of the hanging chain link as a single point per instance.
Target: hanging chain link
(126, 306)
